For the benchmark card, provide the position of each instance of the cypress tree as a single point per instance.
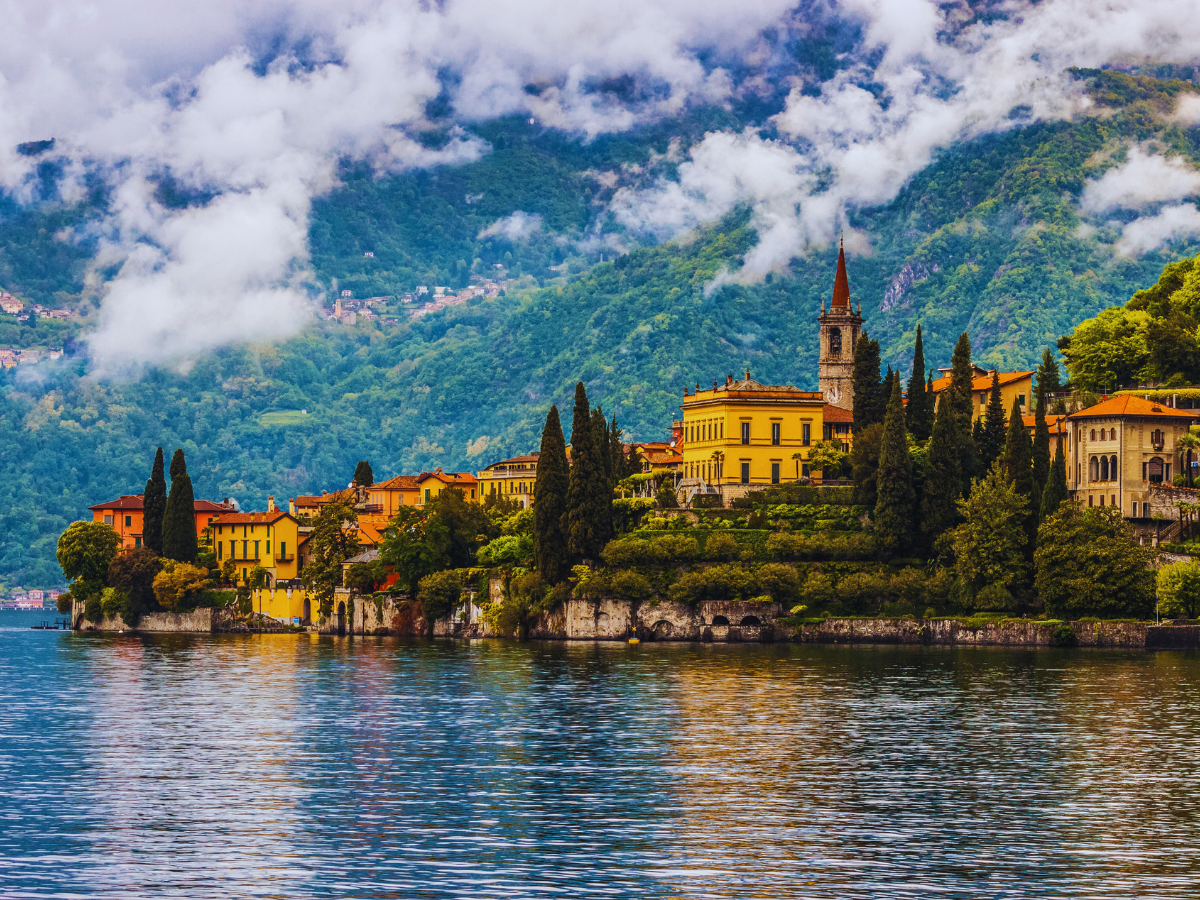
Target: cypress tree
(154, 506)
(583, 541)
(550, 503)
(919, 414)
(363, 476)
(1041, 449)
(869, 400)
(179, 520)
(602, 488)
(994, 434)
(1049, 379)
(1018, 471)
(894, 501)
(943, 486)
(1056, 485)
(616, 453)
(960, 397)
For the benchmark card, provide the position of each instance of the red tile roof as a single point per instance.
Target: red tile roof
(449, 477)
(134, 501)
(982, 382)
(1132, 405)
(250, 518)
(836, 414)
(399, 483)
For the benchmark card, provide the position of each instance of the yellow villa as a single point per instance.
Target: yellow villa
(431, 484)
(511, 478)
(1013, 386)
(744, 434)
(268, 539)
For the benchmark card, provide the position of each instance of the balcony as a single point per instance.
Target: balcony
(284, 557)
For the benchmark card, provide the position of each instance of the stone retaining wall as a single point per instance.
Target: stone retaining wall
(196, 621)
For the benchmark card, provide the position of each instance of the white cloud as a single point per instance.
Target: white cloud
(514, 227)
(1187, 109)
(1144, 178)
(1151, 232)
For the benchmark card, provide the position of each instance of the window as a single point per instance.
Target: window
(256, 549)
(232, 549)
(721, 429)
(1156, 470)
(1135, 515)
(137, 543)
(426, 495)
(1104, 468)
(1112, 434)
(1143, 471)
(108, 519)
(827, 432)
(1094, 469)
(746, 434)
(220, 550)
(745, 473)
(1093, 434)
(245, 552)
(774, 473)
(806, 434)
(804, 470)
(1101, 499)
(1112, 501)
(128, 521)
(835, 341)
(1112, 470)
(1021, 399)
(1089, 499)
(775, 434)
(268, 548)
(282, 550)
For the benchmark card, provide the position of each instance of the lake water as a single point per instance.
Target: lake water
(277, 766)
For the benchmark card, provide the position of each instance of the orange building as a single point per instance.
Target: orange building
(125, 516)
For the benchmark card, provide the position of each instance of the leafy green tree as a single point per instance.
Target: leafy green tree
(179, 520)
(363, 476)
(991, 441)
(437, 594)
(178, 585)
(1179, 589)
(1109, 350)
(363, 576)
(864, 464)
(416, 543)
(85, 552)
(828, 458)
(989, 546)
(133, 574)
(894, 503)
(1055, 492)
(464, 523)
(869, 399)
(943, 485)
(920, 403)
(960, 397)
(333, 541)
(154, 505)
(1088, 563)
(1041, 450)
(550, 503)
(1018, 454)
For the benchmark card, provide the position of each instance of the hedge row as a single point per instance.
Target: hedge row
(648, 548)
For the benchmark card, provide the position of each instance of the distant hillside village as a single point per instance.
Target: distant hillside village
(973, 474)
(15, 356)
(414, 304)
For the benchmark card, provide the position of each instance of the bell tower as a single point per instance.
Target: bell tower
(840, 328)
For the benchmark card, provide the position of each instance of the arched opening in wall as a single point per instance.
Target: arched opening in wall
(1093, 434)
(1112, 468)
(663, 630)
(1112, 434)
(307, 611)
(1104, 468)
(835, 342)
(1094, 469)
(720, 620)
(1154, 470)
(341, 618)
(751, 621)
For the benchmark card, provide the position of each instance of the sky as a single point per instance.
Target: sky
(255, 104)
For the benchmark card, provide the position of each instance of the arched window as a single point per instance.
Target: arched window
(1104, 468)
(1112, 468)
(1093, 434)
(1155, 470)
(835, 341)
(1094, 469)
(1112, 434)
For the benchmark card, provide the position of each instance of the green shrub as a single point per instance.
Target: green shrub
(631, 586)
(216, 599)
(666, 498)
(437, 593)
(507, 551)
(1063, 636)
(92, 610)
(113, 602)
(718, 583)
(721, 547)
(993, 597)
(780, 581)
(817, 590)
(863, 591)
(707, 501)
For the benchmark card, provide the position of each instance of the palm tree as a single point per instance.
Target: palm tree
(1187, 444)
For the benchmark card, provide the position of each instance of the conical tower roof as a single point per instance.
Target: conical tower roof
(841, 284)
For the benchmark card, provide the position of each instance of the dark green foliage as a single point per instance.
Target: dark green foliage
(1041, 451)
(991, 440)
(437, 595)
(363, 576)
(85, 552)
(179, 522)
(363, 476)
(589, 498)
(154, 505)
(1055, 491)
(961, 378)
(869, 399)
(894, 503)
(864, 464)
(920, 402)
(550, 540)
(607, 476)
(133, 574)
(1018, 454)
(330, 544)
(1049, 379)
(1088, 563)
(944, 484)
(464, 522)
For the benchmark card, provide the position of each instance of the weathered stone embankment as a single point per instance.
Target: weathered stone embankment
(204, 620)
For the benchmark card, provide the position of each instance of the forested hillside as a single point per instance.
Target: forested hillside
(987, 239)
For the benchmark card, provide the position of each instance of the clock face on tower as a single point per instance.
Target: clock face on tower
(835, 394)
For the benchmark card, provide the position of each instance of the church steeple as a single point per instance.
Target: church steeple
(841, 284)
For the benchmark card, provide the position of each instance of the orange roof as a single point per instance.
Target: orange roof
(652, 445)
(372, 533)
(663, 457)
(1052, 421)
(982, 382)
(841, 284)
(134, 501)
(836, 414)
(324, 498)
(399, 483)
(449, 477)
(1132, 405)
(251, 518)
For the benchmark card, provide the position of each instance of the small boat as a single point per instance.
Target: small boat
(45, 626)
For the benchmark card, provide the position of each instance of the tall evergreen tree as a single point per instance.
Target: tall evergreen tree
(869, 400)
(550, 503)
(583, 535)
(960, 396)
(919, 413)
(994, 433)
(1018, 470)
(363, 476)
(943, 486)
(154, 506)
(1041, 450)
(1049, 378)
(1055, 491)
(179, 519)
(602, 488)
(894, 499)
(619, 465)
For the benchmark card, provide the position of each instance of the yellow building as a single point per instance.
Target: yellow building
(511, 478)
(268, 539)
(1013, 386)
(431, 484)
(744, 434)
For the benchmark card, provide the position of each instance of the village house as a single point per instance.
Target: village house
(431, 484)
(654, 457)
(511, 478)
(1121, 448)
(10, 304)
(268, 539)
(1013, 386)
(124, 515)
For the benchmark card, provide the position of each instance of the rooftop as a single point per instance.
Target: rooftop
(1130, 405)
(982, 382)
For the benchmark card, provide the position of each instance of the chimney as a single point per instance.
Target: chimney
(270, 504)
(729, 379)
(292, 507)
(747, 374)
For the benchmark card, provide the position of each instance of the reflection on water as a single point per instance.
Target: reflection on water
(276, 766)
